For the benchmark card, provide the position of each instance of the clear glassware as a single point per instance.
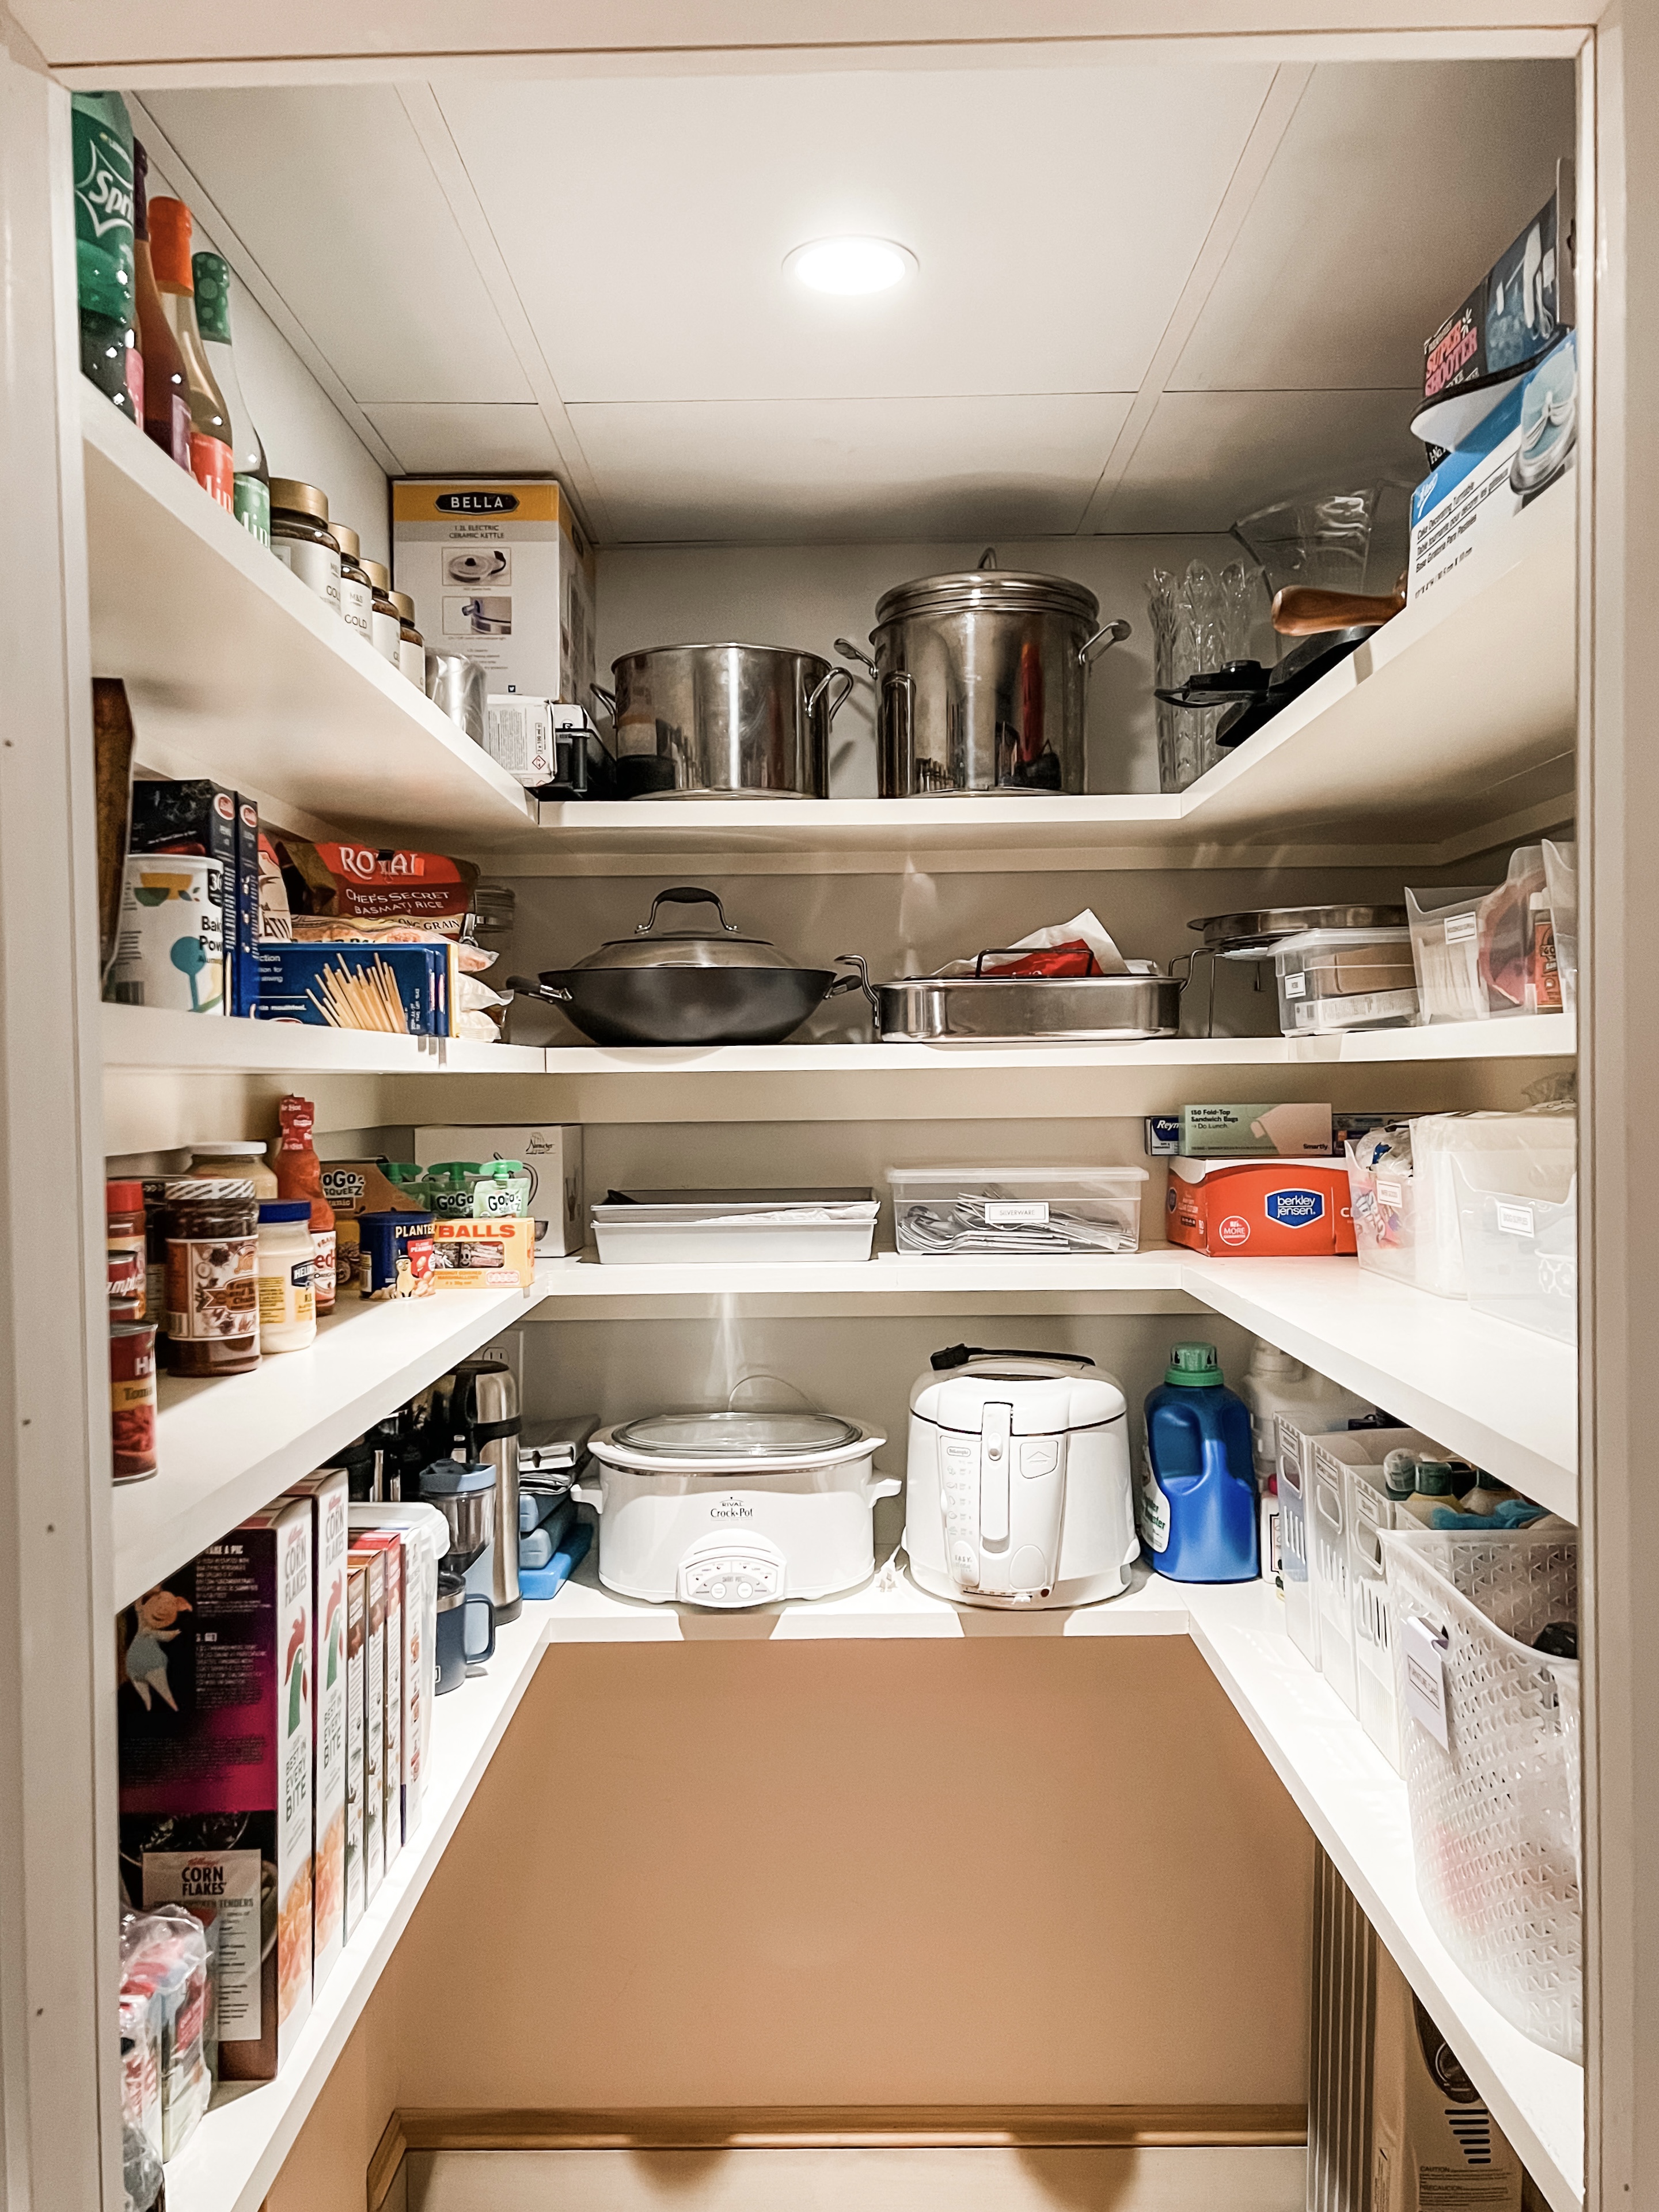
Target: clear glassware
(1326, 542)
(1201, 623)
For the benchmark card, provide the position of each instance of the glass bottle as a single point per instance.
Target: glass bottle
(101, 137)
(251, 489)
(300, 1174)
(167, 387)
(212, 461)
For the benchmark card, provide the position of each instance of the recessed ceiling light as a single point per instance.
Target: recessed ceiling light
(852, 264)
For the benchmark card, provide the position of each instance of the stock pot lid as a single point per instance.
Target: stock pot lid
(990, 590)
(741, 1434)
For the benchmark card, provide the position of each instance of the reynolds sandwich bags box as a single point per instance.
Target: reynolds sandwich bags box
(1263, 1209)
(1238, 1131)
(214, 1726)
(329, 1497)
(500, 569)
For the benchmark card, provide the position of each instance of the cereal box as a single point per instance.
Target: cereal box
(214, 1701)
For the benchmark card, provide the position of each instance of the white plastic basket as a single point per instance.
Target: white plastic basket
(1494, 1816)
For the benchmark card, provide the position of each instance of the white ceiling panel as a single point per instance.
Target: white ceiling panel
(1208, 457)
(1055, 215)
(468, 439)
(329, 191)
(796, 470)
(1395, 189)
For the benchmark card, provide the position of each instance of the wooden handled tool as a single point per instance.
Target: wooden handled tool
(1301, 612)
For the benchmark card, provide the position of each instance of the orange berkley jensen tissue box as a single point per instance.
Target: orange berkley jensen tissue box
(1265, 1209)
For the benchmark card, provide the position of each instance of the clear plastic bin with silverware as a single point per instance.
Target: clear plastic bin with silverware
(1001, 1210)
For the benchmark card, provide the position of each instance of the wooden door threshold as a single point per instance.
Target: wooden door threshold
(834, 2127)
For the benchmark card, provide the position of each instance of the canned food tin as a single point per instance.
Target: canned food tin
(132, 1399)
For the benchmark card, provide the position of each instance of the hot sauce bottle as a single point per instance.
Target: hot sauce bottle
(300, 1174)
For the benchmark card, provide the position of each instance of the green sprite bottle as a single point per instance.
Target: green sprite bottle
(101, 142)
(253, 486)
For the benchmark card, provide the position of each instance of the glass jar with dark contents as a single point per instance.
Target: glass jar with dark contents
(211, 1224)
(384, 636)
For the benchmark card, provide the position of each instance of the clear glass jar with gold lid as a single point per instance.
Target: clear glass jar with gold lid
(357, 594)
(411, 646)
(302, 539)
(385, 636)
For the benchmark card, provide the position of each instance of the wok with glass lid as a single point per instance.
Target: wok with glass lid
(735, 1508)
(687, 986)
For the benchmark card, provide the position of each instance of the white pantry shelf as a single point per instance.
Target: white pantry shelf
(227, 1447)
(155, 1039)
(232, 2160)
(1500, 1396)
(1495, 1394)
(888, 1608)
(1451, 730)
(1025, 1081)
(235, 671)
(1522, 1036)
(1355, 1803)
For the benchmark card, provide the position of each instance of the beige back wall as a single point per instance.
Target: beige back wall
(999, 1871)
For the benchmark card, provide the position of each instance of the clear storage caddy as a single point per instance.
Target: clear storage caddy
(977, 1209)
(1493, 1808)
(1345, 979)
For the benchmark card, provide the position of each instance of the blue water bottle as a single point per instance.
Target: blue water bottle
(1198, 1505)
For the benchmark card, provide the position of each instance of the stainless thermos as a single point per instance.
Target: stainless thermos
(477, 1407)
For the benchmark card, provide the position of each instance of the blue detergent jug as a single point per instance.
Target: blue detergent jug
(1198, 1505)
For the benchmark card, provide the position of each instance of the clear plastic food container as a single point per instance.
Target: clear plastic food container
(1482, 954)
(978, 1209)
(1520, 1252)
(1407, 1216)
(1345, 979)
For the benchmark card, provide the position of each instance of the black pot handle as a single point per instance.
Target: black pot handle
(958, 1355)
(684, 895)
(553, 992)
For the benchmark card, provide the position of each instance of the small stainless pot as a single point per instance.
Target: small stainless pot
(728, 721)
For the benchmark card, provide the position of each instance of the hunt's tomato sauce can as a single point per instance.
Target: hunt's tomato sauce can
(132, 1399)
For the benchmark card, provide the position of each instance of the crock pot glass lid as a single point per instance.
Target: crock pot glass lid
(746, 1433)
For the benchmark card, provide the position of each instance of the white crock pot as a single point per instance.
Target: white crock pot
(730, 1509)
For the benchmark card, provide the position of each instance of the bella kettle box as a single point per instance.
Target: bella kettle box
(502, 571)
(214, 1705)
